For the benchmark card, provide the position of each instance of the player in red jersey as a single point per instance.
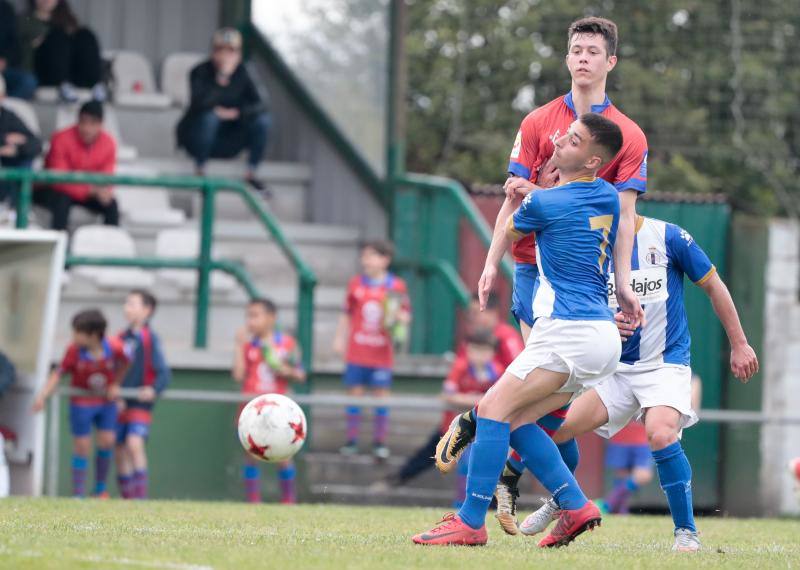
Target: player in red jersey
(266, 361)
(509, 341)
(97, 365)
(377, 313)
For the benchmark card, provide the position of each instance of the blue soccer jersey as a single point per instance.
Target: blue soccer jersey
(576, 227)
(662, 254)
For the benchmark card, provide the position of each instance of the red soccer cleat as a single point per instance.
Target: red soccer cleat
(451, 531)
(572, 523)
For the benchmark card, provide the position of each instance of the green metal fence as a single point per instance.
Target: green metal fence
(204, 263)
(427, 214)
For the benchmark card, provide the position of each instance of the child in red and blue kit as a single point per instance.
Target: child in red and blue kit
(97, 365)
(149, 374)
(472, 374)
(377, 312)
(266, 361)
(628, 454)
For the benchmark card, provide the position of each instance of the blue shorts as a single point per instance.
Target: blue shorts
(355, 375)
(81, 418)
(132, 428)
(628, 456)
(525, 275)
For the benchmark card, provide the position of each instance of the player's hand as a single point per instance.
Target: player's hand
(518, 187)
(630, 306)
(744, 362)
(147, 394)
(16, 139)
(105, 195)
(338, 345)
(485, 284)
(626, 330)
(548, 175)
(112, 393)
(8, 150)
(38, 404)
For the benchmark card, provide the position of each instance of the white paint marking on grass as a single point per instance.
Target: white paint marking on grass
(119, 561)
(153, 564)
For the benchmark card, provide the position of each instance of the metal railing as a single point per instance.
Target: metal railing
(204, 263)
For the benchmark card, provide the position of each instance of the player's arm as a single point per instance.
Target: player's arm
(295, 372)
(497, 249)
(342, 332)
(123, 365)
(47, 390)
(744, 362)
(623, 250)
(527, 219)
(238, 369)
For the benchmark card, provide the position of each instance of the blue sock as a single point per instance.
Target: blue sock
(570, 454)
(631, 484)
(286, 473)
(675, 475)
(486, 461)
(541, 457)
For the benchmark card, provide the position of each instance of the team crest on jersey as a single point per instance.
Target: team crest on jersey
(515, 150)
(655, 257)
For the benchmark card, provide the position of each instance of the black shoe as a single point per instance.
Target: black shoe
(259, 186)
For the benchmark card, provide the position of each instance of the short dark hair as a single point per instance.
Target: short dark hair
(92, 109)
(482, 337)
(383, 246)
(148, 299)
(605, 133)
(268, 305)
(492, 300)
(595, 25)
(91, 322)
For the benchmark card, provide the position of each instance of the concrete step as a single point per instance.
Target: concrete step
(331, 251)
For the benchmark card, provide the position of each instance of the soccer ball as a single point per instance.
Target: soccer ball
(272, 428)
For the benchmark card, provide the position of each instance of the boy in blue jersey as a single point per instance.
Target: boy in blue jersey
(574, 342)
(653, 376)
(149, 374)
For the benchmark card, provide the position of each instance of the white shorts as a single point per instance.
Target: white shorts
(586, 350)
(635, 387)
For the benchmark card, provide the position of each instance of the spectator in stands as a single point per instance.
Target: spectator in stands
(84, 147)
(226, 112)
(60, 51)
(19, 83)
(18, 146)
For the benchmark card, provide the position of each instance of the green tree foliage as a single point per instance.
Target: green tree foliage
(713, 83)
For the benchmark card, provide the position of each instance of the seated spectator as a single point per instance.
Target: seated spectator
(84, 147)
(226, 112)
(18, 146)
(60, 51)
(19, 83)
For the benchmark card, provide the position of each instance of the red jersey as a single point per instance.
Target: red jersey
(86, 373)
(632, 434)
(534, 146)
(259, 376)
(509, 345)
(463, 378)
(370, 342)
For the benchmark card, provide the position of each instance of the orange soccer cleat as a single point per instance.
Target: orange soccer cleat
(451, 531)
(571, 524)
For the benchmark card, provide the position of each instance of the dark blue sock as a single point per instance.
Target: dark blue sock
(486, 461)
(631, 484)
(541, 457)
(570, 454)
(675, 475)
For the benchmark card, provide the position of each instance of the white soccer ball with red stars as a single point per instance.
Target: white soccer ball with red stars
(272, 428)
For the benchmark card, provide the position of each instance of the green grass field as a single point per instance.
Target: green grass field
(67, 533)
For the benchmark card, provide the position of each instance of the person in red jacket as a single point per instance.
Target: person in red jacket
(84, 147)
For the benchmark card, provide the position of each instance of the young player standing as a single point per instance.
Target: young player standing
(266, 361)
(653, 375)
(574, 342)
(97, 365)
(149, 374)
(377, 302)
